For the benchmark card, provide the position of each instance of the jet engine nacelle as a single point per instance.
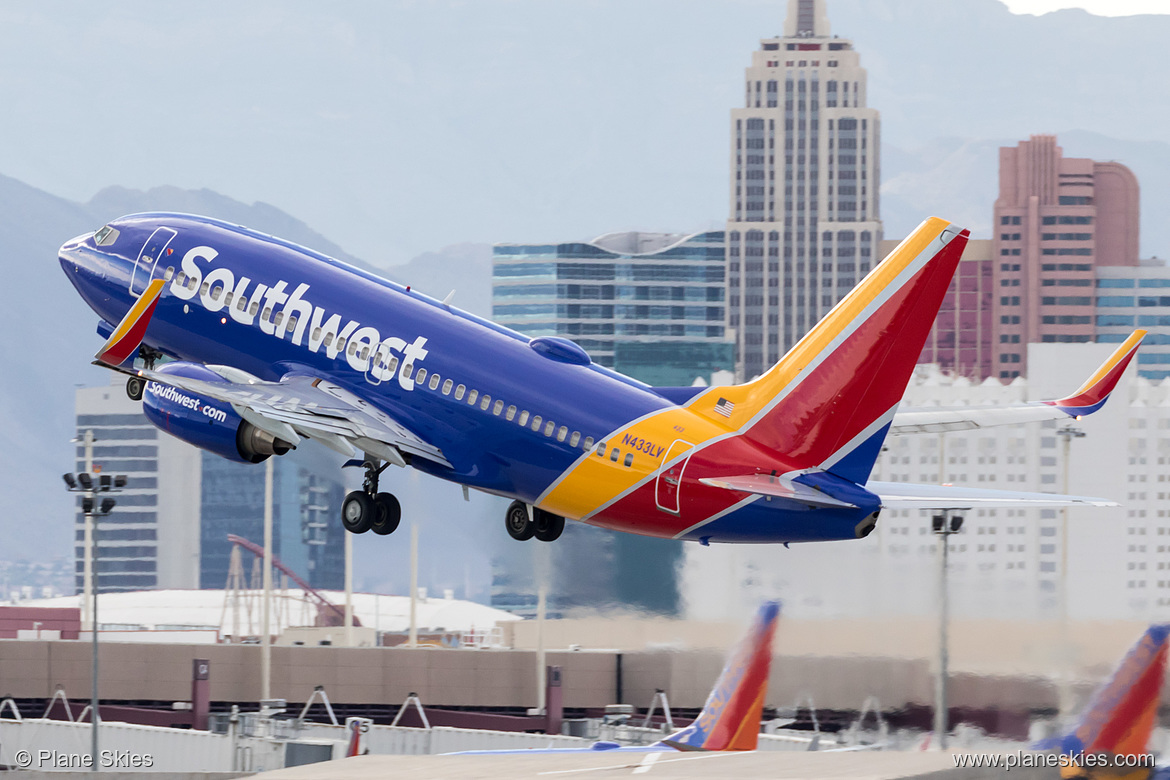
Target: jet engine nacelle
(205, 422)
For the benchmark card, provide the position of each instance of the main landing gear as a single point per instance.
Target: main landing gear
(367, 509)
(522, 524)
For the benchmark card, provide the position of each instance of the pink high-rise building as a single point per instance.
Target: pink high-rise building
(1056, 219)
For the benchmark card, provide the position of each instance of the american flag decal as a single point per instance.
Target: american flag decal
(724, 407)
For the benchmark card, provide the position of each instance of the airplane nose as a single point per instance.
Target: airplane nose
(71, 256)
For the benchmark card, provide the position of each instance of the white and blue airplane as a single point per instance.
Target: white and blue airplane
(246, 345)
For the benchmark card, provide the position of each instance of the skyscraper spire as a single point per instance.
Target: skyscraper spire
(806, 19)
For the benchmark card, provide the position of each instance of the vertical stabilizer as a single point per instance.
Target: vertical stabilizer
(828, 403)
(730, 719)
(1121, 715)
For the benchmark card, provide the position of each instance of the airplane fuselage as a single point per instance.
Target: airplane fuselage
(528, 419)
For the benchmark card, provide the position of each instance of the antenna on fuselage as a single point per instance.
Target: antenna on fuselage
(447, 300)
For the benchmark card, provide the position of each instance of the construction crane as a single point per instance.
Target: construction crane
(328, 613)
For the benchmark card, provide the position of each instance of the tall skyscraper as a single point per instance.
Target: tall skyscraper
(805, 172)
(1056, 220)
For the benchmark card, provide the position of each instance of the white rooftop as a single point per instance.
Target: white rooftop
(172, 610)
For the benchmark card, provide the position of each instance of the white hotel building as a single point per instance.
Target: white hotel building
(1005, 563)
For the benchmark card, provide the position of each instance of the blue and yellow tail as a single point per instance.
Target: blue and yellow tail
(730, 719)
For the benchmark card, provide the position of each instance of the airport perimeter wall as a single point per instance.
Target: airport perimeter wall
(485, 678)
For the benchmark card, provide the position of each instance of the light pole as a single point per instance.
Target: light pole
(943, 527)
(1067, 433)
(85, 484)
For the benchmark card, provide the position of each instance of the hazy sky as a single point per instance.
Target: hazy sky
(1097, 7)
(398, 127)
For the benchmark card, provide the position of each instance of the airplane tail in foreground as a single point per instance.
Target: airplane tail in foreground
(730, 719)
(1121, 715)
(829, 402)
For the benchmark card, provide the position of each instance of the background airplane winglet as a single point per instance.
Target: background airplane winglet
(1093, 394)
(127, 337)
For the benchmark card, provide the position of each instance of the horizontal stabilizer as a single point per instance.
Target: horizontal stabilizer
(780, 487)
(904, 495)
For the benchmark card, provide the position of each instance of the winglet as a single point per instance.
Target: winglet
(1093, 394)
(1121, 715)
(730, 719)
(127, 337)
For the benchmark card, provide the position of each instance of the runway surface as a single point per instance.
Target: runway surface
(663, 766)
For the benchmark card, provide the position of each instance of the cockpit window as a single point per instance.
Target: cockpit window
(106, 236)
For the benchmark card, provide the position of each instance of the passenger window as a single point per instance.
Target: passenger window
(576, 437)
(511, 414)
(588, 442)
(279, 319)
(255, 308)
(192, 283)
(407, 370)
(365, 353)
(267, 315)
(629, 459)
(563, 432)
(227, 299)
(422, 375)
(499, 407)
(317, 337)
(523, 418)
(181, 279)
(485, 402)
(549, 427)
(170, 274)
(391, 366)
(459, 391)
(353, 348)
(328, 337)
(447, 391)
(472, 396)
(206, 288)
(601, 449)
(434, 381)
(536, 421)
(615, 454)
(292, 325)
(341, 345)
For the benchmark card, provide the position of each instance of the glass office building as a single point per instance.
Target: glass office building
(1136, 297)
(650, 305)
(661, 291)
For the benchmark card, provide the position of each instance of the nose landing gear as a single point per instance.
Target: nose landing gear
(369, 510)
(523, 525)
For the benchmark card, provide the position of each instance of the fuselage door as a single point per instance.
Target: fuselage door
(668, 481)
(148, 263)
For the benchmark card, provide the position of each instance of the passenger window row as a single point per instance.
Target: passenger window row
(615, 454)
(496, 408)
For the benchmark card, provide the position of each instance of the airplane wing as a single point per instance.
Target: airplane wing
(299, 405)
(905, 495)
(1090, 397)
